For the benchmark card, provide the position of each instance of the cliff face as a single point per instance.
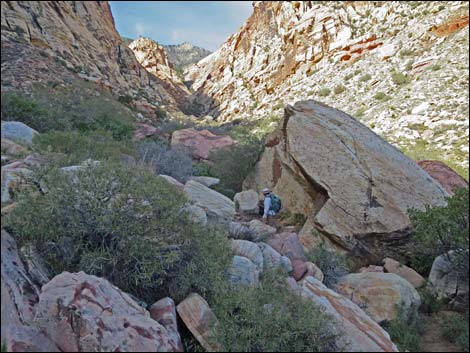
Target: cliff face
(400, 67)
(153, 57)
(52, 40)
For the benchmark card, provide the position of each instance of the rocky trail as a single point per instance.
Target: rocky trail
(432, 340)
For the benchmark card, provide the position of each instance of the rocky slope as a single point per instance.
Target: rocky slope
(401, 67)
(185, 54)
(52, 41)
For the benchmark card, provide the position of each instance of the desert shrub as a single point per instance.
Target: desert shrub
(233, 164)
(269, 318)
(405, 332)
(121, 224)
(73, 147)
(438, 230)
(365, 78)
(119, 128)
(360, 112)
(429, 302)
(380, 96)
(202, 169)
(126, 99)
(436, 67)
(400, 79)
(339, 89)
(173, 161)
(19, 108)
(161, 113)
(455, 329)
(406, 52)
(348, 77)
(333, 265)
(323, 92)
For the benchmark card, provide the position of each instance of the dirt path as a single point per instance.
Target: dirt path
(432, 340)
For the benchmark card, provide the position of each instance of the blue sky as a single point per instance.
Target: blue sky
(203, 23)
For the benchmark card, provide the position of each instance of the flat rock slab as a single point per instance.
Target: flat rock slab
(218, 207)
(205, 180)
(444, 175)
(200, 320)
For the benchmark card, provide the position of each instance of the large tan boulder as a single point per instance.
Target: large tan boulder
(444, 175)
(80, 312)
(356, 187)
(380, 294)
(200, 143)
(219, 208)
(393, 266)
(200, 320)
(247, 202)
(359, 332)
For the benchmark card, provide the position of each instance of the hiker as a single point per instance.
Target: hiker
(272, 204)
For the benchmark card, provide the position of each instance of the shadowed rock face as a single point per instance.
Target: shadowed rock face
(53, 41)
(355, 187)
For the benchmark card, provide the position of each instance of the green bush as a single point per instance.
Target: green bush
(233, 164)
(19, 108)
(73, 147)
(405, 332)
(332, 264)
(365, 78)
(438, 230)
(429, 302)
(456, 330)
(161, 113)
(400, 79)
(269, 318)
(120, 130)
(339, 89)
(163, 159)
(323, 92)
(380, 96)
(124, 225)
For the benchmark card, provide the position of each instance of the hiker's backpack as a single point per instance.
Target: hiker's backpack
(276, 203)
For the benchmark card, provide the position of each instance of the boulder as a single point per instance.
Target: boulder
(249, 250)
(314, 271)
(444, 175)
(380, 294)
(360, 332)
(200, 143)
(238, 230)
(164, 312)
(12, 178)
(299, 269)
(393, 266)
(243, 272)
(272, 259)
(195, 214)
(86, 313)
(18, 132)
(247, 202)
(219, 208)
(204, 180)
(288, 244)
(200, 320)
(172, 181)
(11, 147)
(145, 130)
(354, 186)
(371, 268)
(448, 283)
(260, 230)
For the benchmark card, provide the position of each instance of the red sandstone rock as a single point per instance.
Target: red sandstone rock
(444, 175)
